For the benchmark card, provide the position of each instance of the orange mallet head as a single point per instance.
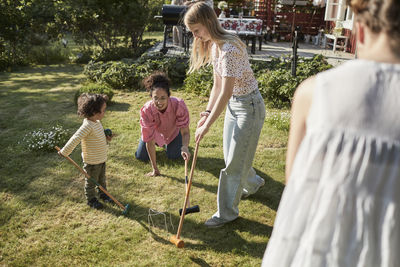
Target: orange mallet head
(178, 242)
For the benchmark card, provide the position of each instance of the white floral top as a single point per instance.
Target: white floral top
(231, 61)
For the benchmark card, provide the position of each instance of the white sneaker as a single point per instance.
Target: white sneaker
(214, 222)
(261, 183)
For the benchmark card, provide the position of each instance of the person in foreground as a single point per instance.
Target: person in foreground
(94, 145)
(341, 205)
(235, 86)
(164, 121)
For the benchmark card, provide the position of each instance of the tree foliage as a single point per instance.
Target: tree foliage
(107, 24)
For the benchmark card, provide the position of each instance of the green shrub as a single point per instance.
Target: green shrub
(277, 85)
(118, 53)
(8, 61)
(94, 88)
(261, 66)
(311, 66)
(47, 55)
(174, 67)
(200, 82)
(114, 54)
(94, 70)
(83, 57)
(46, 140)
(119, 75)
(279, 119)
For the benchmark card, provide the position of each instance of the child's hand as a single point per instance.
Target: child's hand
(59, 153)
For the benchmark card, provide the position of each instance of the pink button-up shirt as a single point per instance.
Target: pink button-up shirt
(163, 127)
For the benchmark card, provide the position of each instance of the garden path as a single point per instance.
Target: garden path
(271, 49)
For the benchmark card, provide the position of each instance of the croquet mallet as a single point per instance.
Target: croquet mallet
(124, 208)
(175, 239)
(188, 208)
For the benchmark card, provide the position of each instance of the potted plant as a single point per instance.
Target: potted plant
(222, 5)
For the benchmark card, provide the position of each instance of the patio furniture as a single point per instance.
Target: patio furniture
(248, 29)
(332, 40)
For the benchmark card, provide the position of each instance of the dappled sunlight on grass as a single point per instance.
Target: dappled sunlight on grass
(44, 216)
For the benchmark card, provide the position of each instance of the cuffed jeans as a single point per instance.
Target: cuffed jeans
(244, 119)
(173, 149)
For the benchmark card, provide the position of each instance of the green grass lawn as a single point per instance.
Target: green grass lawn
(44, 219)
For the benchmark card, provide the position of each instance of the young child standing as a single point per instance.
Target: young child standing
(94, 144)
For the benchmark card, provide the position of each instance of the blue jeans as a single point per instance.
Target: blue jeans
(173, 149)
(244, 119)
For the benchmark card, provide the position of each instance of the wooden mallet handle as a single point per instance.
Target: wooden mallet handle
(90, 178)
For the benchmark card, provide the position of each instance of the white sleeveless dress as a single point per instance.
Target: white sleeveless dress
(341, 205)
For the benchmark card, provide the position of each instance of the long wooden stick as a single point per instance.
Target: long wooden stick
(178, 234)
(186, 180)
(91, 179)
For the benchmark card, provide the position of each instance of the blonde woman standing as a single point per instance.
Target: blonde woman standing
(341, 205)
(235, 87)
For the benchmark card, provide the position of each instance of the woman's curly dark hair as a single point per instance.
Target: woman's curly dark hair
(90, 104)
(157, 80)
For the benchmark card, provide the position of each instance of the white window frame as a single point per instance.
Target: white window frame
(344, 13)
(349, 19)
(340, 5)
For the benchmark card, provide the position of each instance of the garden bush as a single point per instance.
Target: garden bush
(46, 55)
(121, 75)
(45, 140)
(118, 53)
(174, 67)
(311, 66)
(200, 82)
(277, 85)
(94, 88)
(83, 57)
(261, 66)
(94, 70)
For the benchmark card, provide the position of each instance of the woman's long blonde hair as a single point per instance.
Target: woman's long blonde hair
(201, 13)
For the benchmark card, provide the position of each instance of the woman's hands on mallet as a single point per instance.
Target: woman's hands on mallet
(201, 128)
(185, 153)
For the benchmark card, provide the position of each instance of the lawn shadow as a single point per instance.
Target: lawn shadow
(199, 262)
(270, 194)
(226, 239)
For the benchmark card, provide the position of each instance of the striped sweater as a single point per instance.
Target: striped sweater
(94, 144)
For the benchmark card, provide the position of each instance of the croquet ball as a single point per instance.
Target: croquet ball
(108, 132)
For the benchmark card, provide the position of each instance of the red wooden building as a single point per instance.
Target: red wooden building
(311, 16)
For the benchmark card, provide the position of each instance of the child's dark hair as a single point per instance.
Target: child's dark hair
(157, 80)
(90, 104)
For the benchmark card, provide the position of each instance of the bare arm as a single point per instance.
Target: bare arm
(151, 150)
(301, 105)
(221, 100)
(215, 91)
(185, 143)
